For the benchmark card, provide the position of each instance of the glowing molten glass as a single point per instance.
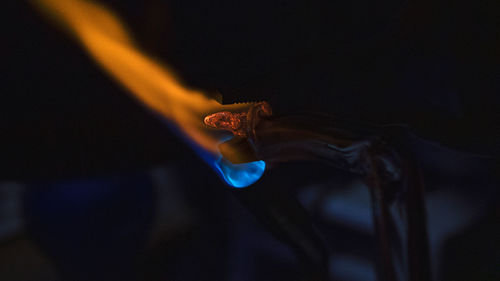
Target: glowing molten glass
(225, 120)
(241, 124)
(108, 42)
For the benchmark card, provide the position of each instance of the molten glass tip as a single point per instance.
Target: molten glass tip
(230, 121)
(240, 124)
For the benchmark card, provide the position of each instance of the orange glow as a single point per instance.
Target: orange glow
(108, 42)
(237, 122)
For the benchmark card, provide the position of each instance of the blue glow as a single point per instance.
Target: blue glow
(235, 175)
(240, 175)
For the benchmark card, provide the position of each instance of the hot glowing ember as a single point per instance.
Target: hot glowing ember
(234, 122)
(239, 123)
(108, 42)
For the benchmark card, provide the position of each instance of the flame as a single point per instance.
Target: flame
(108, 42)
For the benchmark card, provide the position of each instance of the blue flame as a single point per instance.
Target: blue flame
(235, 175)
(239, 175)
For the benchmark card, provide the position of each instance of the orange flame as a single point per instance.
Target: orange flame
(109, 43)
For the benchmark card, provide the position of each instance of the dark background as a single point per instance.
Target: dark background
(431, 66)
